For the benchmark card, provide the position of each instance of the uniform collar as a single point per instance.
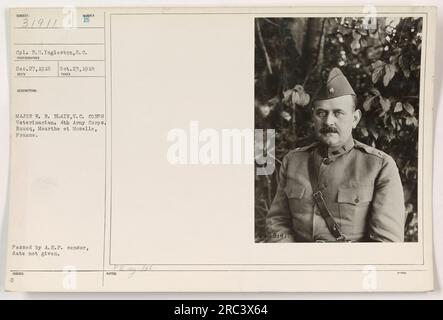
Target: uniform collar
(333, 152)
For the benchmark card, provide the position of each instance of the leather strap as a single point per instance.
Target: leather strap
(319, 200)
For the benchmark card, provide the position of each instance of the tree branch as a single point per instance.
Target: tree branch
(319, 52)
(260, 36)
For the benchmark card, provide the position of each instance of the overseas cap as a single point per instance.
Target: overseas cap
(336, 86)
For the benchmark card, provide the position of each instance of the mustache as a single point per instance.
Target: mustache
(326, 130)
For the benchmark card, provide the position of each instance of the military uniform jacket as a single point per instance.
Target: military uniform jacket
(362, 190)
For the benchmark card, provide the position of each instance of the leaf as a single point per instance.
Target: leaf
(385, 103)
(305, 99)
(295, 98)
(389, 74)
(356, 35)
(412, 121)
(377, 64)
(393, 122)
(396, 52)
(364, 43)
(368, 102)
(393, 59)
(373, 132)
(398, 107)
(345, 30)
(299, 88)
(364, 132)
(265, 110)
(375, 92)
(404, 67)
(377, 74)
(373, 54)
(355, 44)
(401, 62)
(285, 115)
(409, 108)
(273, 101)
(390, 136)
(287, 96)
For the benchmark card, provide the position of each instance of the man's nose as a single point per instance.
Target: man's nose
(329, 120)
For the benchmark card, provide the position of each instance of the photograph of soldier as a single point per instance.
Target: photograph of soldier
(344, 106)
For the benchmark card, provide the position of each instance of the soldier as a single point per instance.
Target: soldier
(337, 189)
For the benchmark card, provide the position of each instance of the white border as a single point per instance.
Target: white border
(4, 155)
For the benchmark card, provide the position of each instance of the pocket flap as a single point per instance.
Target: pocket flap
(295, 192)
(355, 195)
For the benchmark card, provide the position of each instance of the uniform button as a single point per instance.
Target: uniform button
(327, 161)
(357, 200)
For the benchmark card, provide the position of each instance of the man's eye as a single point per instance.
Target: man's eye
(338, 113)
(321, 113)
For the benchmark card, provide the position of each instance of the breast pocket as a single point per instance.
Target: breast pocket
(299, 200)
(354, 204)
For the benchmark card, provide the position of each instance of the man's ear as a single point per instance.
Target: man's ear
(356, 118)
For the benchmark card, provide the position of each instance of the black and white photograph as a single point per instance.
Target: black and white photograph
(341, 96)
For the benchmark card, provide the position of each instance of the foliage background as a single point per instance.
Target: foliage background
(381, 59)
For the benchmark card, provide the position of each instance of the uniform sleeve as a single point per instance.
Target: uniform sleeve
(387, 218)
(279, 220)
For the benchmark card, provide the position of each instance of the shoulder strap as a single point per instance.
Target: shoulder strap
(319, 200)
